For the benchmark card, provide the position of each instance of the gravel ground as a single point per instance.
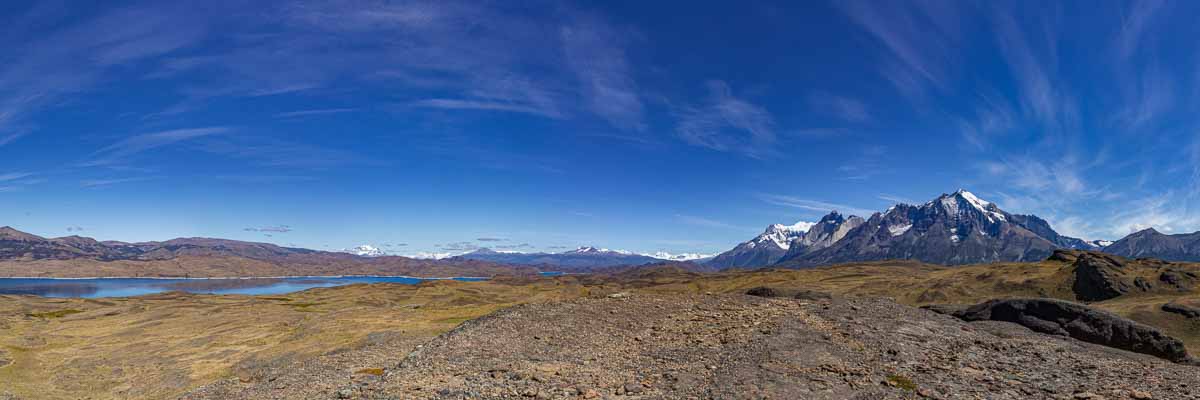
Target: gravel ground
(732, 347)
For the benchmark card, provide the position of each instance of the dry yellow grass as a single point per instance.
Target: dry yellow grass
(156, 347)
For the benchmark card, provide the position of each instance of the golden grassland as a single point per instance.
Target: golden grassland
(158, 346)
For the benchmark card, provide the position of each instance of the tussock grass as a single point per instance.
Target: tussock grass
(54, 314)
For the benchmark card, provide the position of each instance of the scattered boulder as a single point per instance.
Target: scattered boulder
(763, 291)
(1057, 317)
(798, 294)
(1185, 310)
(811, 295)
(1065, 255)
(1178, 279)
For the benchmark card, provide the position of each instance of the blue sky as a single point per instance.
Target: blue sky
(687, 127)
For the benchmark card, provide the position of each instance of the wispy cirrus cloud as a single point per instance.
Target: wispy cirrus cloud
(9, 137)
(1061, 178)
(121, 151)
(273, 229)
(812, 205)
(272, 152)
(263, 179)
(707, 222)
(842, 107)
(896, 199)
(17, 181)
(319, 111)
(490, 105)
(728, 123)
(1133, 27)
(920, 57)
(71, 58)
(93, 183)
(600, 64)
(10, 176)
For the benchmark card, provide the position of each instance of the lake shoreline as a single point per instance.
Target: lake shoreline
(248, 277)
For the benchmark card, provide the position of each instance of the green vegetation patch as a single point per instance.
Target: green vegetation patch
(305, 307)
(371, 371)
(902, 382)
(54, 314)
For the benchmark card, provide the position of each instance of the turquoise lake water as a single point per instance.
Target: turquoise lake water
(124, 287)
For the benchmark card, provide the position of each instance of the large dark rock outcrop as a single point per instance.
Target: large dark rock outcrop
(1057, 317)
(1100, 276)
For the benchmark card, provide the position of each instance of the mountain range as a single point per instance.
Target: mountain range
(583, 258)
(953, 229)
(1153, 244)
(24, 254)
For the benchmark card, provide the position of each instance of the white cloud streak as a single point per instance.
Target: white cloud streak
(121, 151)
(813, 205)
(728, 123)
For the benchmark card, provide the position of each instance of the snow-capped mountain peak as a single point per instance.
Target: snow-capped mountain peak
(662, 255)
(796, 227)
(952, 203)
(782, 235)
(596, 250)
(365, 250)
(425, 255)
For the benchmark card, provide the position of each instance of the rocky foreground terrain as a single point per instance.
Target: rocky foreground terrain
(741, 347)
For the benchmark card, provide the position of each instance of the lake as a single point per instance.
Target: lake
(123, 287)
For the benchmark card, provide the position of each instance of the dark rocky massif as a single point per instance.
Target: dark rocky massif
(953, 229)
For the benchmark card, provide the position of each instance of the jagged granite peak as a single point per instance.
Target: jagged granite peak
(763, 249)
(830, 229)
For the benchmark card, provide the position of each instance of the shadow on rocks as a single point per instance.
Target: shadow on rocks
(798, 294)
